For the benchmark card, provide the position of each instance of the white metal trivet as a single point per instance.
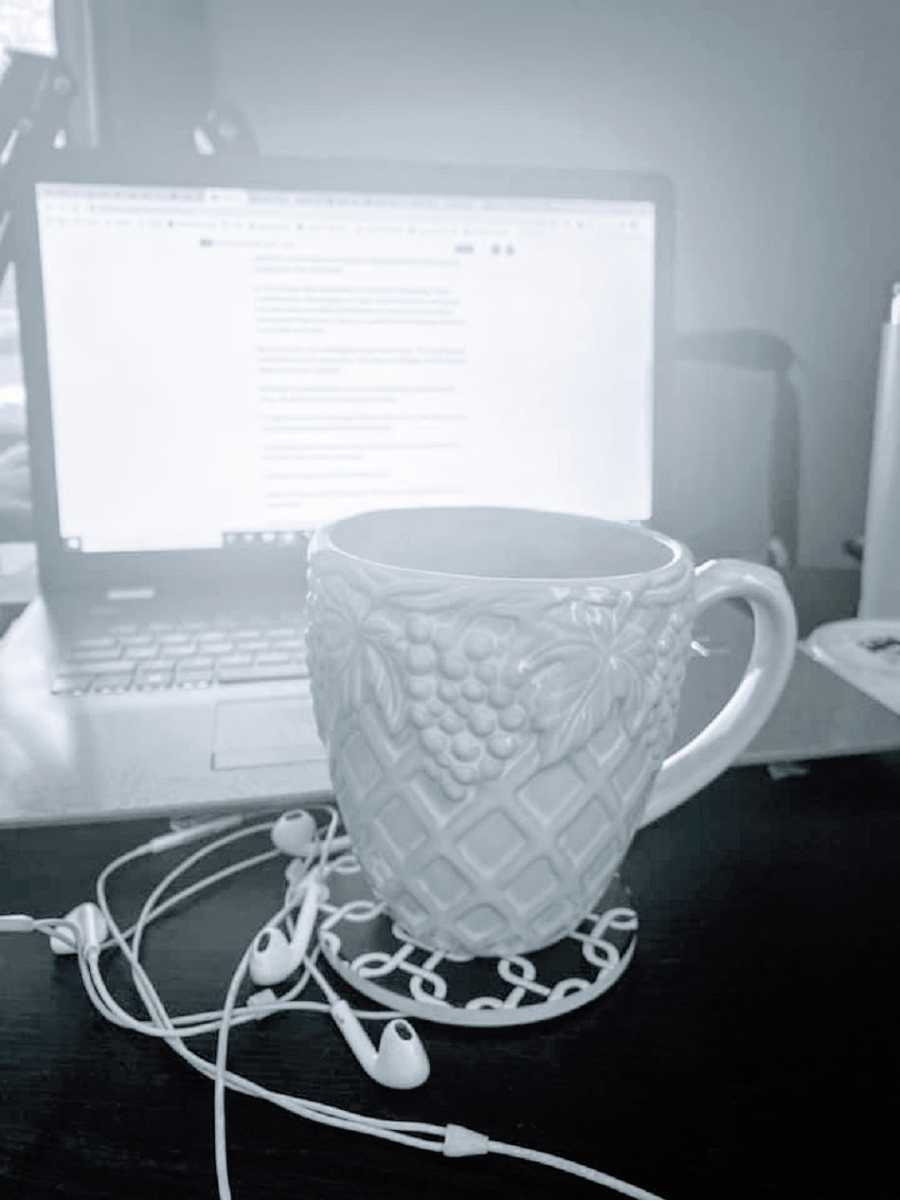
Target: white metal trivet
(367, 948)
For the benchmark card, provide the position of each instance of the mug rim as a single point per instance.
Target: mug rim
(323, 539)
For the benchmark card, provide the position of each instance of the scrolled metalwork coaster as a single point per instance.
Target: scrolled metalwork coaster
(374, 955)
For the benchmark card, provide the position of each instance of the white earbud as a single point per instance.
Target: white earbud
(272, 957)
(294, 832)
(400, 1061)
(91, 925)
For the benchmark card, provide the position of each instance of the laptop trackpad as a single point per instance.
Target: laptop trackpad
(264, 733)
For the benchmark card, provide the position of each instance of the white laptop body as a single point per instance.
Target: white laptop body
(219, 357)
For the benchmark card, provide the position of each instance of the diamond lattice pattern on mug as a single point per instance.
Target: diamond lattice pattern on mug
(491, 864)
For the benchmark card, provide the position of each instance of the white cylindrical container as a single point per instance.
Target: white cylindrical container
(880, 594)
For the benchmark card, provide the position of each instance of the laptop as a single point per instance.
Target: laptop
(219, 356)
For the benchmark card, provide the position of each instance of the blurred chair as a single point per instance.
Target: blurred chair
(727, 460)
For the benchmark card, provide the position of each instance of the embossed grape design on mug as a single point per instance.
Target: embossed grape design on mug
(498, 688)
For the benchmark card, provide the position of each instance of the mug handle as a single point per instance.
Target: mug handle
(716, 747)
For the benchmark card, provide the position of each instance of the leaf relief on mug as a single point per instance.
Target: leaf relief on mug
(354, 652)
(600, 658)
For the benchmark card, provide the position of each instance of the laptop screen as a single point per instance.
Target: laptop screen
(232, 366)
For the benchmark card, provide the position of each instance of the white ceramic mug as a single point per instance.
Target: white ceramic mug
(498, 689)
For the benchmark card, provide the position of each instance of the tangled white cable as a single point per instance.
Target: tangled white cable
(400, 1060)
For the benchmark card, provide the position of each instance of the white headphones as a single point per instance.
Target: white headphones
(272, 957)
(399, 1061)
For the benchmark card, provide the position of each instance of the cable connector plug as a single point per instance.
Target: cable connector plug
(262, 999)
(191, 833)
(17, 923)
(460, 1142)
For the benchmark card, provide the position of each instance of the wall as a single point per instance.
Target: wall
(776, 120)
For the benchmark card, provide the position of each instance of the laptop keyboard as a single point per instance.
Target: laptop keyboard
(158, 654)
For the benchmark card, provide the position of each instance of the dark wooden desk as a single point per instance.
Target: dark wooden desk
(750, 1050)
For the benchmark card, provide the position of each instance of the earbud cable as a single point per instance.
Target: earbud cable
(451, 1140)
(154, 1004)
(571, 1168)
